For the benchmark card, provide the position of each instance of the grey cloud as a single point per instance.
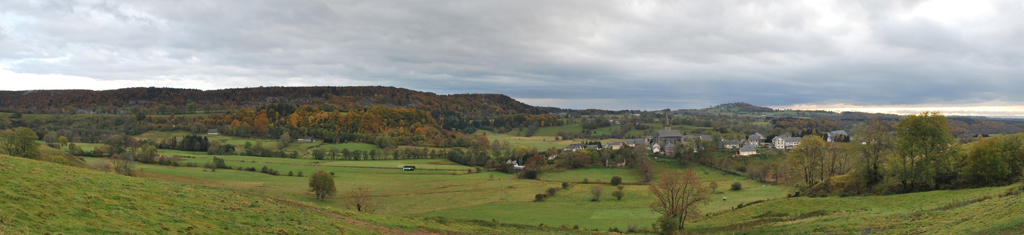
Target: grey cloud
(622, 55)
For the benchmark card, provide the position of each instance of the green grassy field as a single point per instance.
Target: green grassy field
(541, 142)
(42, 197)
(419, 163)
(592, 175)
(969, 211)
(573, 206)
(451, 193)
(350, 146)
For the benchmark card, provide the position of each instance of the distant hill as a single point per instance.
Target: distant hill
(175, 100)
(740, 107)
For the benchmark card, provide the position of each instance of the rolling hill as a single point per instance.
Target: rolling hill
(47, 198)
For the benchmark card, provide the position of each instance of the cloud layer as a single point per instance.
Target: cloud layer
(573, 54)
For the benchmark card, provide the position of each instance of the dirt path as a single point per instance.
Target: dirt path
(364, 224)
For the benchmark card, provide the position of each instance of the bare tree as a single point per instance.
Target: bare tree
(362, 200)
(678, 196)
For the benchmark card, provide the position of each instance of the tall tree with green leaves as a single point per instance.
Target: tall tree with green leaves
(322, 184)
(874, 144)
(924, 147)
(21, 142)
(192, 107)
(62, 140)
(807, 158)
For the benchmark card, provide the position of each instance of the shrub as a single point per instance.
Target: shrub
(300, 174)
(564, 184)
(539, 197)
(616, 180)
(332, 173)
(596, 191)
(586, 181)
(621, 187)
(618, 194)
(529, 175)
(551, 191)
(290, 173)
(322, 185)
(668, 225)
(736, 186)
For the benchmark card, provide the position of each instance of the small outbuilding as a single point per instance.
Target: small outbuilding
(409, 168)
(213, 132)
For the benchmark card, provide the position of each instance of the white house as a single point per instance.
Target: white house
(785, 142)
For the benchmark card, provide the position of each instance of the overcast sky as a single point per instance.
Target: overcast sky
(570, 54)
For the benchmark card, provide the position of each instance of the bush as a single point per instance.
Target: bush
(621, 187)
(618, 194)
(300, 174)
(586, 181)
(668, 225)
(322, 185)
(596, 191)
(564, 184)
(736, 186)
(529, 175)
(551, 191)
(616, 180)
(539, 197)
(290, 173)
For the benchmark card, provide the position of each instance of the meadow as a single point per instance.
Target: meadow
(572, 206)
(47, 198)
(443, 189)
(992, 210)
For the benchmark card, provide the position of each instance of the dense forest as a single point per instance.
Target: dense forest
(451, 111)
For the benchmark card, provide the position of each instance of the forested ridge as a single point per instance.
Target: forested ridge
(174, 100)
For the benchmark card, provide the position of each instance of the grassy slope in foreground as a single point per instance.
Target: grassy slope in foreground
(989, 210)
(41, 197)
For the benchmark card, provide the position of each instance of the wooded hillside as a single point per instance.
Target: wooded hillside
(174, 100)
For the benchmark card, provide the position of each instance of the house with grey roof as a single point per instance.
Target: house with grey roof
(668, 136)
(833, 135)
(669, 148)
(785, 142)
(573, 147)
(748, 150)
(755, 139)
(730, 144)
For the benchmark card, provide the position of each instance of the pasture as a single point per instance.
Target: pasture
(572, 206)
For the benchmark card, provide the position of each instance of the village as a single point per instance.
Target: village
(667, 141)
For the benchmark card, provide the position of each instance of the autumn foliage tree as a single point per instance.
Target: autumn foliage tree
(678, 195)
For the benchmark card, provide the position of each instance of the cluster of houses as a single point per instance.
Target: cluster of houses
(664, 141)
